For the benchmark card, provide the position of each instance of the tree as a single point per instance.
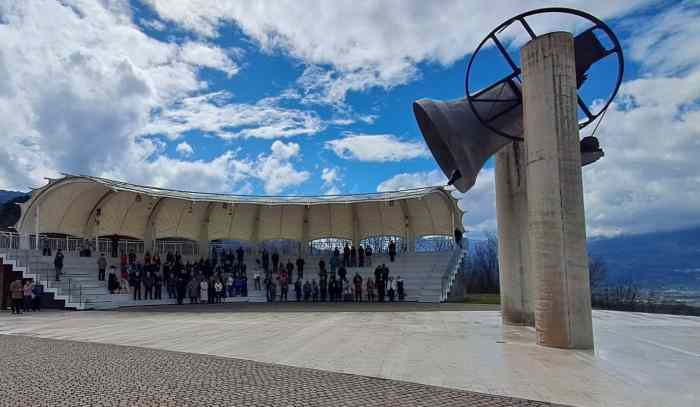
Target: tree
(481, 266)
(597, 271)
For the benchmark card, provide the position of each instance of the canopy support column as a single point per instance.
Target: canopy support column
(36, 226)
(149, 235)
(409, 235)
(204, 233)
(255, 238)
(355, 226)
(305, 232)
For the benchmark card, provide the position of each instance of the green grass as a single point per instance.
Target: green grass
(482, 298)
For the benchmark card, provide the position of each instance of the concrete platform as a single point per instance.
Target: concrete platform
(640, 359)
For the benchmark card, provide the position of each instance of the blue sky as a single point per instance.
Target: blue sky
(313, 97)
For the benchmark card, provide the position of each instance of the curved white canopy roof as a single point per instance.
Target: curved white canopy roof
(87, 206)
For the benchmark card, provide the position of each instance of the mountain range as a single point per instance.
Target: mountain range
(659, 260)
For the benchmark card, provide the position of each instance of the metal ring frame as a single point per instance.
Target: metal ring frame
(516, 71)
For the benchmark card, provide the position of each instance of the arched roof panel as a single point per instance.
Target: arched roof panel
(67, 203)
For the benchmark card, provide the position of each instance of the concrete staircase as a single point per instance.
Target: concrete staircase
(80, 289)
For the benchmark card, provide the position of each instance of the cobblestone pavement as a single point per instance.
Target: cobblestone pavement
(47, 372)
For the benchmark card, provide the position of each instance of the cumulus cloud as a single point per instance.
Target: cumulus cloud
(355, 45)
(210, 56)
(412, 180)
(332, 181)
(275, 169)
(184, 149)
(376, 148)
(82, 89)
(213, 113)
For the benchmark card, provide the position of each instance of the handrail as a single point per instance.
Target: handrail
(450, 272)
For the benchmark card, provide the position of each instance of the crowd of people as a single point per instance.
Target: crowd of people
(333, 283)
(225, 274)
(204, 281)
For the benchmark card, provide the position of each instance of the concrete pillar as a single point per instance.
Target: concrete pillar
(556, 220)
(305, 238)
(37, 226)
(516, 279)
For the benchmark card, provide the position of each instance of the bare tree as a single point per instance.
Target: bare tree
(481, 266)
(598, 272)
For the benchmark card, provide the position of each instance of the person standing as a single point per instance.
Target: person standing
(357, 280)
(275, 261)
(265, 261)
(353, 256)
(385, 276)
(219, 291)
(37, 292)
(27, 294)
(300, 268)
(297, 289)
(392, 251)
(157, 286)
(307, 291)
(101, 267)
(58, 264)
(17, 294)
(346, 255)
(323, 286)
(458, 237)
(342, 273)
(392, 289)
(399, 288)
(368, 255)
(148, 286)
(203, 291)
(361, 256)
(135, 281)
(290, 270)
(239, 255)
(112, 281)
(314, 291)
(193, 290)
(370, 289)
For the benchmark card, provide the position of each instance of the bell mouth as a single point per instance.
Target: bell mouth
(427, 113)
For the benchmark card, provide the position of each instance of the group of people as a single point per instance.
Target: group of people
(25, 295)
(205, 281)
(224, 274)
(333, 285)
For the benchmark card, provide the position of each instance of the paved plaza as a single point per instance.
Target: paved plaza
(640, 359)
(50, 372)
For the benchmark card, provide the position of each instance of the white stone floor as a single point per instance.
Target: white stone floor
(640, 359)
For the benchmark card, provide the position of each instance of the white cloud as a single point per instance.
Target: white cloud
(412, 180)
(276, 171)
(332, 181)
(79, 82)
(200, 54)
(184, 149)
(152, 24)
(213, 113)
(362, 44)
(376, 148)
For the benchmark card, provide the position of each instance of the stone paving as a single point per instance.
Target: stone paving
(48, 372)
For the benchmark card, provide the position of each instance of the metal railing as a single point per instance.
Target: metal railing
(450, 272)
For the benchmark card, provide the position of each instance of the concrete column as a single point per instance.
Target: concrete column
(305, 232)
(556, 220)
(204, 232)
(516, 279)
(356, 225)
(37, 226)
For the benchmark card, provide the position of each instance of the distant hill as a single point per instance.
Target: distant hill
(10, 212)
(9, 195)
(652, 260)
